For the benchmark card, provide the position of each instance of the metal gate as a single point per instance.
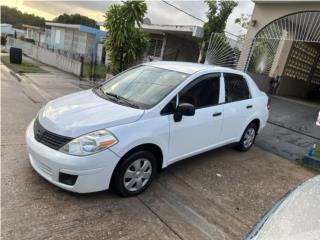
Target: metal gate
(298, 27)
(223, 50)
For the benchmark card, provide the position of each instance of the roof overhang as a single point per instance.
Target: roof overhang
(81, 28)
(63, 25)
(193, 31)
(280, 1)
(35, 28)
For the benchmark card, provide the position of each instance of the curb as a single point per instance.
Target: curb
(292, 129)
(30, 87)
(16, 75)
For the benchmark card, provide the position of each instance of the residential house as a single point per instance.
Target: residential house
(288, 31)
(7, 29)
(77, 39)
(173, 42)
(36, 34)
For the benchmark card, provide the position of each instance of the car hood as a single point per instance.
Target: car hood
(83, 112)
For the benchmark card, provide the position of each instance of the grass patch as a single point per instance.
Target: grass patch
(316, 155)
(25, 67)
(317, 152)
(99, 71)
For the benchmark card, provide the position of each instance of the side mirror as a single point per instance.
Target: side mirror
(183, 109)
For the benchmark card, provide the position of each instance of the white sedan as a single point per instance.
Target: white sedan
(123, 132)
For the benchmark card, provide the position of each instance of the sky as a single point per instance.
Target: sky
(158, 11)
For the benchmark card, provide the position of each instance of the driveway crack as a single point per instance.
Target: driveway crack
(160, 218)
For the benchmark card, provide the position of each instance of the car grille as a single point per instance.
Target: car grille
(48, 138)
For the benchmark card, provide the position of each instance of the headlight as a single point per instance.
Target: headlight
(90, 143)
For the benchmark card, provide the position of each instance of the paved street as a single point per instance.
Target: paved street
(217, 195)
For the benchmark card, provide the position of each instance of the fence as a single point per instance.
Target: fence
(59, 61)
(47, 56)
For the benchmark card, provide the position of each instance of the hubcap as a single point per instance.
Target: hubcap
(137, 174)
(249, 137)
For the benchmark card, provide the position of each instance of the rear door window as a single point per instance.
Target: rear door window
(236, 88)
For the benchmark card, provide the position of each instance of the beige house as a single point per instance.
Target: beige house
(284, 40)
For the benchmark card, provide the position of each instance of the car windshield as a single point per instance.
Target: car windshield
(141, 87)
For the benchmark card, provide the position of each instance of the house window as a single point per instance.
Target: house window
(155, 47)
(57, 37)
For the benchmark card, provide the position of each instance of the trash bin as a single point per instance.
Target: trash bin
(15, 55)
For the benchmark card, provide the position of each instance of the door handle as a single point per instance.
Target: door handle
(216, 114)
(249, 106)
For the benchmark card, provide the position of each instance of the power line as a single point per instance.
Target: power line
(181, 10)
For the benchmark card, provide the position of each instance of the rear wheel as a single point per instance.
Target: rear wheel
(135, 173)
(248, 138)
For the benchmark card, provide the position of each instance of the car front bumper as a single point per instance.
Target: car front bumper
(93, 172)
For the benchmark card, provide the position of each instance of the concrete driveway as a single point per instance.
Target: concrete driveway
(291, 128)
(217, 195)
(295, 115)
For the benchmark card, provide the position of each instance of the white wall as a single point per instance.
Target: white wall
(57, 60)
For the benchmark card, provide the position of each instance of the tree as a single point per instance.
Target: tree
(244, 22)
(218, 14)
(76, 19)
(16, 18)
(126, 42)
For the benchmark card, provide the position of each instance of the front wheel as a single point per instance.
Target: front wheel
(135, 173)
(248, 137)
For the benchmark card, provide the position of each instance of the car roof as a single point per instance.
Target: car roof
(188, 67)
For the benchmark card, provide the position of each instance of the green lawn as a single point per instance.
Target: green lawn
(100, 71)
(25, 67)
(317, 152)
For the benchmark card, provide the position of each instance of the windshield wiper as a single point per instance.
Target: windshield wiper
(112, 95)
(128, 102)
(122, 99)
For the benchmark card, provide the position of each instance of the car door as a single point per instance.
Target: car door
(238, 107)
(194, 134)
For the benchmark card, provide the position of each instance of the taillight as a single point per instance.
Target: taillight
(269, 104)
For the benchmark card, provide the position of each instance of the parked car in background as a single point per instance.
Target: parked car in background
(123, 132)
(294, 217)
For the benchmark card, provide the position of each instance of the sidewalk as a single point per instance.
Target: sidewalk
(54, 83)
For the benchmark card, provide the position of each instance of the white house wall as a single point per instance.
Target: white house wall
(91, 44)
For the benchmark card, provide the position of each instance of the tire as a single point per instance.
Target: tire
(248, 138)
(134, 174)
